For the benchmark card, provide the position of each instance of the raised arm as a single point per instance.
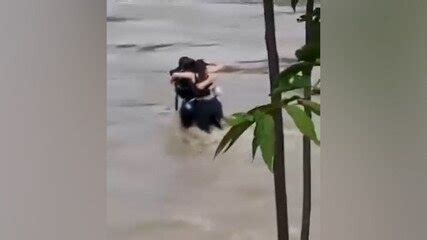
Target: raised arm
(214, 68)
(202, 85)
(188, 75)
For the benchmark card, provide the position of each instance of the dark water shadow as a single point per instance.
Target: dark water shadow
(120, 19)
(150, 48)
(284, 59)
(133, 103)
(154, 47)
(202, 44)
(130, 45)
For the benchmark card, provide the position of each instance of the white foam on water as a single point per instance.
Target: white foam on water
(195, 137)
(195, 220)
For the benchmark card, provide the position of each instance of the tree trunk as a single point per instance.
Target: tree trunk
(306, 208)
(306, 205)
(279, 157)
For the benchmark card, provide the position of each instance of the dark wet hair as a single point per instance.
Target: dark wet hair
(185, 89)
(200, 67)
(184, 64)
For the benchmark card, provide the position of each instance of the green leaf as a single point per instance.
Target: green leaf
(286, 101)
(231, 136)
(316, 14)
(313, 106)
(309, 52)
(264, 134)
(238, 118)
(302, 18)
(294, 69)
(266, 108)
(286, 75)
(303, 122)
(300, 81)
(294, 4)
(295, 82)
(255, 146)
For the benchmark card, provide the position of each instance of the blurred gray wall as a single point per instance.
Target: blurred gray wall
(374, 157)
(52, 124)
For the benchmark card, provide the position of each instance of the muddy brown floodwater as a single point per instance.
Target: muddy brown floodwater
(162, 182)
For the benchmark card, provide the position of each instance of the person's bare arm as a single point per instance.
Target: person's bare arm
(206, 82)
(214, 68)
(188, 75)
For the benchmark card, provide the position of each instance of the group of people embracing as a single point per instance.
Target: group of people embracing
(194, 83)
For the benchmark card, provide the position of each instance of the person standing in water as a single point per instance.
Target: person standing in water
(200, 104)
(199, 73)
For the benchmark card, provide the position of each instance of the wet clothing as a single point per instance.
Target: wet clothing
(202, 113)
(197, 108)
(186, 89)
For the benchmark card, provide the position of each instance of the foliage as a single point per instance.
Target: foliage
(303, 122)
(260, 116)
(294, 4)
(292, 78)
(264, 137)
